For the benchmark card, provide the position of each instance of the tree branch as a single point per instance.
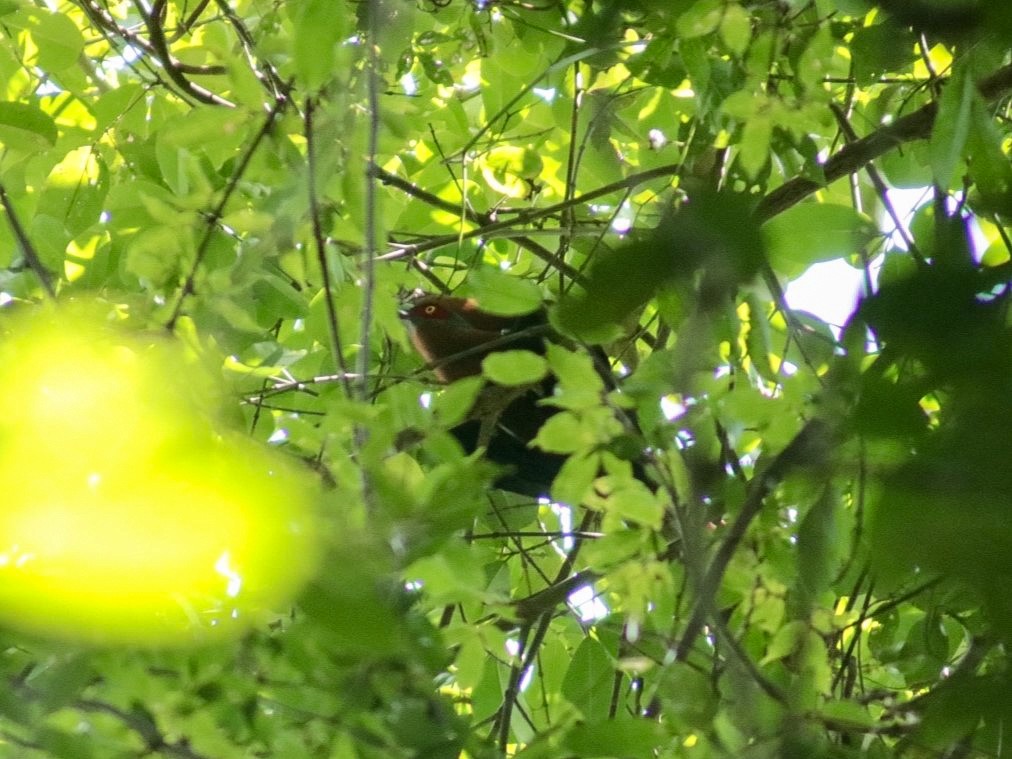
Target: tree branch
(856, 155)
(160, 48)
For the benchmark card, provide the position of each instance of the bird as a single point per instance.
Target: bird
(454, 335)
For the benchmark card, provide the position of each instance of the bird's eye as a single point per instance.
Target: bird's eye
(429, 311)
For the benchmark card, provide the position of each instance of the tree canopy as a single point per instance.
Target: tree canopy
(774, 536)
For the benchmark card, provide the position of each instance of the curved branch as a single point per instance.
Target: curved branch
(140, 721)
(172, 67)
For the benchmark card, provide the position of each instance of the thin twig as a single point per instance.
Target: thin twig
(219, 210)
(483, 219)
(187, 24)
(27, 249)
(534, 214)
(369, 236)
(531, 644)
(879, 184)
(267, 71)
(321, 254)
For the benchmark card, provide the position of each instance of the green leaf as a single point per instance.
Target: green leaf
(908, 168)
(853, 714)
(815, 342)
(154, 254)
(758, 340)
(588, 681)
(25, 127)
(853, 7)
(818, 541)
(742, 105)
(576, 478)
(736, 28)
(75, 190)
(637, 504)
(702, 18)
(996, 254)
(452, 575)
(713, 233)
(952, 126)
(615, 547)
(275, 297)
(510, 169)
(624, 737)
(63, 681)
(880, 49)
(52, 240)
(352, 611)
(503, 294)
(206, 129)
(787, 641)
(513, 368)
(394, 26)
(576, 372)
(812, 232)
(989, 165)
(755, 144)
(58, 43)
(694, 53)
(58, 39)
(454, 402)
(562, 433)
(320, 26)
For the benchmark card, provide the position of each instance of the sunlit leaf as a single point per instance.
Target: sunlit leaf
(812, 232)
(514, 367)
(23, 126)
(505, 294)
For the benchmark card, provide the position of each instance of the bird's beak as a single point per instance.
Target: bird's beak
(405, 316)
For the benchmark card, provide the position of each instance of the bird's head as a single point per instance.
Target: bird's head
(453, 335)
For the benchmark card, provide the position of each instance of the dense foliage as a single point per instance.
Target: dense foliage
(820, 562)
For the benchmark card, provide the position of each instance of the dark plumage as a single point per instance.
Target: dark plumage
(453, 336)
